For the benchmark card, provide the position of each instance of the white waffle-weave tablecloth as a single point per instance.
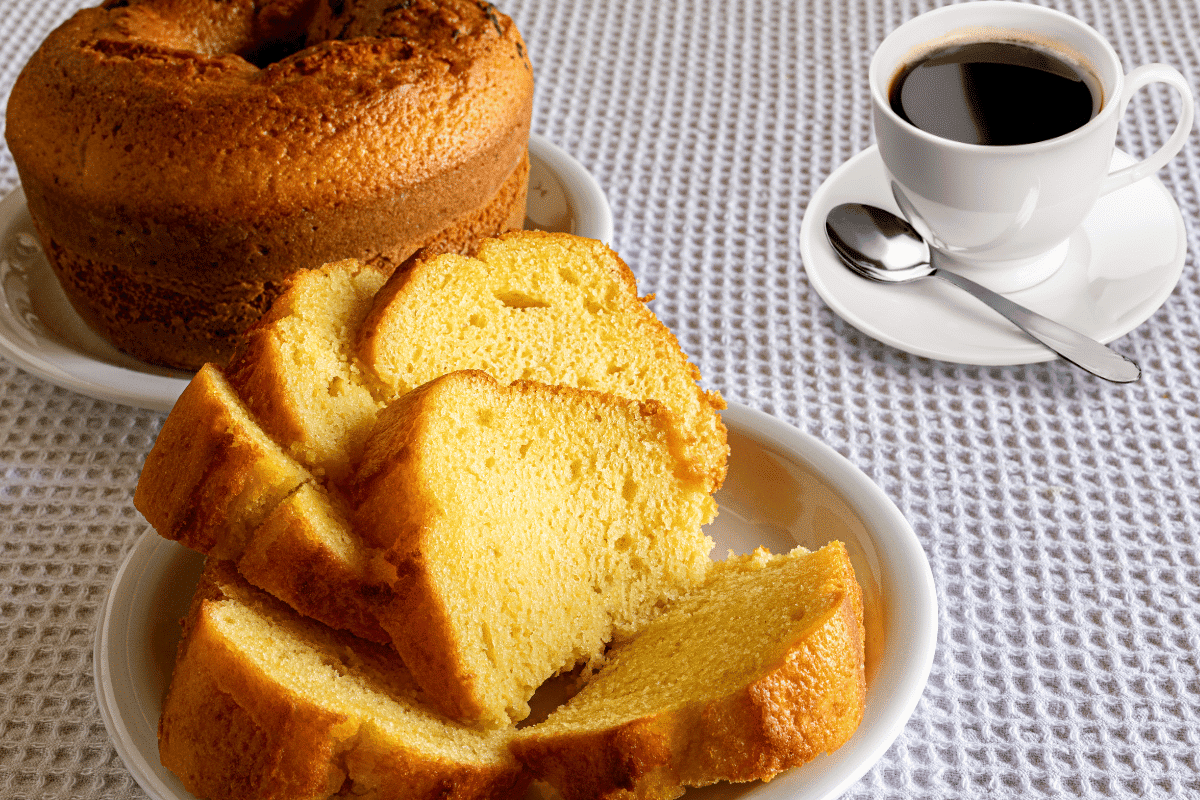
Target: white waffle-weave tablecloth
(1060, 513)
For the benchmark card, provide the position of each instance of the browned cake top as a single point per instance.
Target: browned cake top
(250, 104)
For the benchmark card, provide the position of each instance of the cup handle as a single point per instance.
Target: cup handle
(1135, 80)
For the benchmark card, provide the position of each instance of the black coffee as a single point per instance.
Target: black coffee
(997, 93)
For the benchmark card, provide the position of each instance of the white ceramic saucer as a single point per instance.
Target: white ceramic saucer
(42, 334)
(784, 488)
(1121, 266)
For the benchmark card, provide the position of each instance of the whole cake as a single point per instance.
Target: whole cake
(180, 160)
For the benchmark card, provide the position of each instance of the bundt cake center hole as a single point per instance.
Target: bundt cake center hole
(263, 54)
(278, 30)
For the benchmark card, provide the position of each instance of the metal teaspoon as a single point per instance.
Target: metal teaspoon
(883, 247)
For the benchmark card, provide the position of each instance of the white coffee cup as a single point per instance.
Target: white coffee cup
(1004, 214)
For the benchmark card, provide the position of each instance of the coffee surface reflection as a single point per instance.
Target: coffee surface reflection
(993, 93)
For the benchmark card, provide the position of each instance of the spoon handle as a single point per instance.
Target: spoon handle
(1071, 345)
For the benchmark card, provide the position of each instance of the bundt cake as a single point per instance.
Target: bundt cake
(526, 525)
(181, 159)
(264, 703)
(759, 670)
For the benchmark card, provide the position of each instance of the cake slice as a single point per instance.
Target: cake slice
(549, 307)
(526, 525)
(297, 373)
(213, 474)
(759, 670)
(264, 703)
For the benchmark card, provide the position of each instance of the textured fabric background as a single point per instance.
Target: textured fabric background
(1060, 513)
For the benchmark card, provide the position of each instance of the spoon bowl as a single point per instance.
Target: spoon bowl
(877, 244)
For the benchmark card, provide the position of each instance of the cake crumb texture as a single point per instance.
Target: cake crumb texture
(315, 381)
(558, 309)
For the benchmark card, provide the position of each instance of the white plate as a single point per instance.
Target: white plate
(42, 334)
(784, 488)
(1121, 266)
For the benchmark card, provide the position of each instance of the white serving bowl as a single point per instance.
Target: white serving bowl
(784, 488)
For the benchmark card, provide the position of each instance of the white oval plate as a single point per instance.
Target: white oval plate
(1122, 264)
(784, 488)
(42, 334)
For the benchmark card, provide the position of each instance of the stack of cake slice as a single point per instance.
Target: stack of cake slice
(490, 469)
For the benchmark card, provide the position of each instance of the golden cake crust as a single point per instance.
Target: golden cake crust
(173, 181)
